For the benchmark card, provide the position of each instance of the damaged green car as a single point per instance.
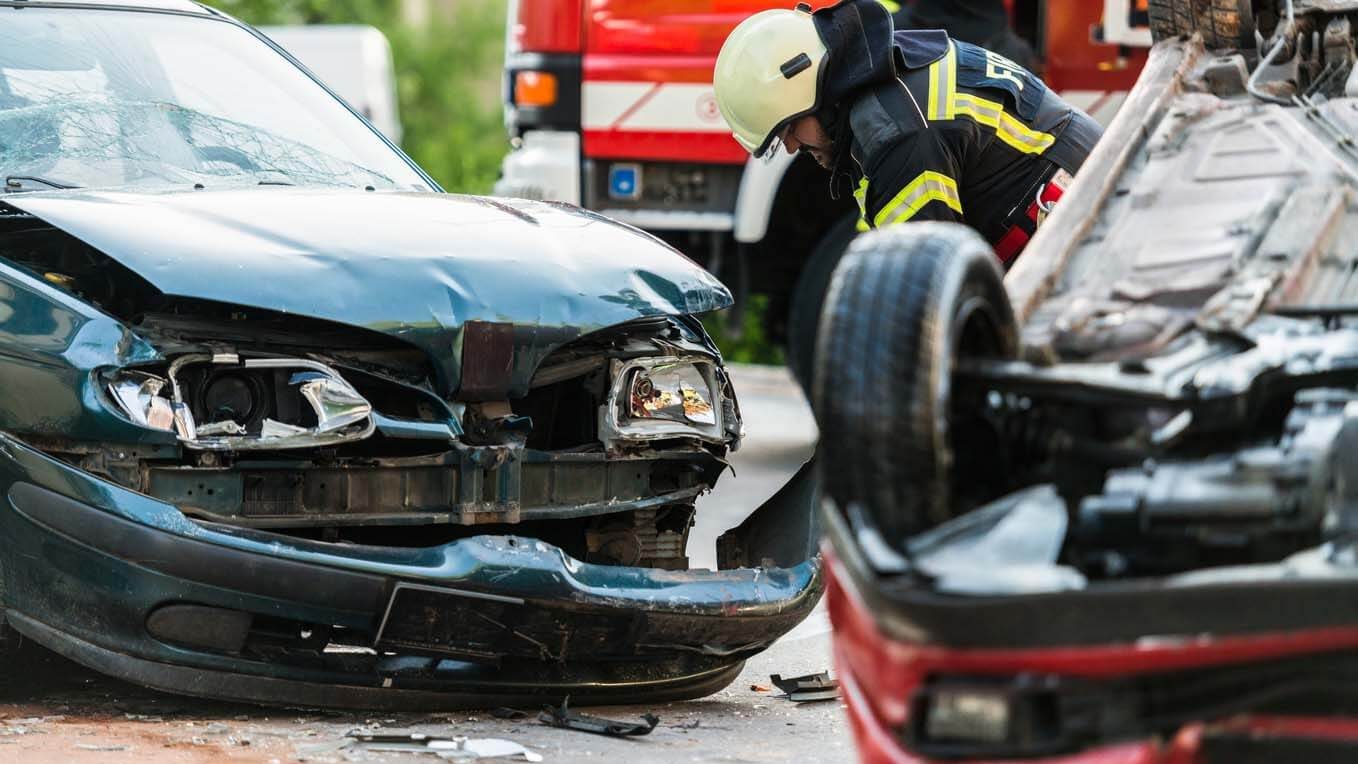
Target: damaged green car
(281, 422)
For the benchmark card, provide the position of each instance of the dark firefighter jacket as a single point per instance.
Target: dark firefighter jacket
(941, 129)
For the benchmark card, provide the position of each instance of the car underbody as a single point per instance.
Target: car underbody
(1187, 355)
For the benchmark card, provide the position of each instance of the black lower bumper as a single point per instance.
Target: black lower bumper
(95, 573)
(265, 690)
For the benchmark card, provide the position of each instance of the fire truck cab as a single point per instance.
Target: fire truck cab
(609, 105)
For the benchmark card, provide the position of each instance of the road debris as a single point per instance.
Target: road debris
(508, 713)
(454, 748)
(807, 689)
(759, 688)
(564, 718)
(94, 747)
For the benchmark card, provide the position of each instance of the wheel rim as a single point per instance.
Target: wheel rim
(973, 333)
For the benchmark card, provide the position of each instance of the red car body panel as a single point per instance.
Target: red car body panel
(879, 676)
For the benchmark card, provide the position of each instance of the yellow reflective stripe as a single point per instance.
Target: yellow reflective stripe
(930, 186)
(1022, 137)
(1007, 127)
(950, 71)
(933, 90)
(891, 6)
(860, 195)
(943, 84)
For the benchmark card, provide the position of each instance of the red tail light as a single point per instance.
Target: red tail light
(547, 26)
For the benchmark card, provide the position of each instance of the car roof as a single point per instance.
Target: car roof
(178, 6)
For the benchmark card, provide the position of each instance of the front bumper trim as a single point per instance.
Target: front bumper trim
(225, 685)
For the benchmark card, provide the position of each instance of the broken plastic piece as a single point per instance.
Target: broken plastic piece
(810, 688)
(564, 718)
(226, 427)
(454, 748)
(183, 422)
(336, 403)
(1009, 546)
(139, 396)
(272, 428)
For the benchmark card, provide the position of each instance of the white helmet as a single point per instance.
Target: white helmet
(767, 75)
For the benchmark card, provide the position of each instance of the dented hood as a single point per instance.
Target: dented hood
(412, 265)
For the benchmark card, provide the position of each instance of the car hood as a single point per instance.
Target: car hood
(418, 266)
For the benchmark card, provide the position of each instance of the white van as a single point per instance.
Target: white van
(354, 61)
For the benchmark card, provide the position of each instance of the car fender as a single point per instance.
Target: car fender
(52, 346)
(758, 189)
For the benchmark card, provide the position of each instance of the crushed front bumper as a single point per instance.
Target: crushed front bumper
(127, 585)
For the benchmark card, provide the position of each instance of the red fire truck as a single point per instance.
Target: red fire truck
(609, 105)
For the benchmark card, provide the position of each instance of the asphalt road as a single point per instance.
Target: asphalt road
(54, 711)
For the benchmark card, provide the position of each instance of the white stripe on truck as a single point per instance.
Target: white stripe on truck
(650, 106)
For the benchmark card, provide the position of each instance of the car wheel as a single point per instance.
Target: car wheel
(1223, 23)
(809, 295)
(905, 304)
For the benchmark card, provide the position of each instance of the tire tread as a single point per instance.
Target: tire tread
(882, 344)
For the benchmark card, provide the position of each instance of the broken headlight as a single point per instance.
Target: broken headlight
(228, 403)
(656, 398)
(1017, 717)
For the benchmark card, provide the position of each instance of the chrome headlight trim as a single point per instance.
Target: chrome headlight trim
(684, 411)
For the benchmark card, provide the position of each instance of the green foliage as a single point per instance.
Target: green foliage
(447, 76)
(750, 344)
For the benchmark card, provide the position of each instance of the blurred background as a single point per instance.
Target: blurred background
(446, 67)
(448, 58)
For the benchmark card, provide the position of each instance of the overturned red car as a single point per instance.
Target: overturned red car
(1101, 509)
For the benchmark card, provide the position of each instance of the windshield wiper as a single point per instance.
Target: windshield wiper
(16, 182)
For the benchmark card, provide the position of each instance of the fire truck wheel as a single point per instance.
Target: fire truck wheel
(809, 295)
(1223, 23)
(903, 306)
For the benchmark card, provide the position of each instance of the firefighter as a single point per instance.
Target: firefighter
(920, 125)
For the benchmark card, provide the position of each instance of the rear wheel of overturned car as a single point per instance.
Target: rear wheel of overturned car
(1223, 23)
(904, 306)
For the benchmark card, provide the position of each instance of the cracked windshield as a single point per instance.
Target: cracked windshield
(105, 99)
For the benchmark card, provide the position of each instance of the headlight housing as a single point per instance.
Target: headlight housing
(659, 398)
(225, 402)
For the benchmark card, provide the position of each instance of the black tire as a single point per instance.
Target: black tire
(803, 318)
(905, 303)
(1223, 23)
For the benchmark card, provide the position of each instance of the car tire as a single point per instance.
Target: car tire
(808, 296)
(904, 305)
(1222, 23)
